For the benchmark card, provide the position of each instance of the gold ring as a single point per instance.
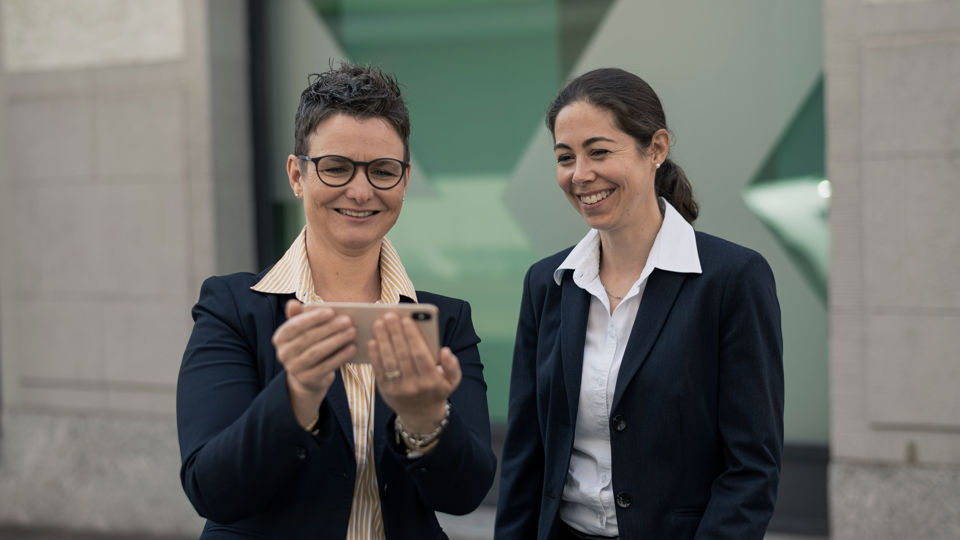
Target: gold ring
(391, 375)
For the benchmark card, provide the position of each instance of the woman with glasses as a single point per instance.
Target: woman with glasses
(281, 435)
(646, 399)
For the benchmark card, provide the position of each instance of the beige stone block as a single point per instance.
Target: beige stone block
(841, 50)
(139, 402)
(65, 34)
(140, 135)
(46, 395)
(60, 340)
(149, 229)
(846, 270)
(139, 78)
(846, 377)
(50, 84)
(111, 239)
(886, 502)
(144, 342)
(910, 232)
(114, 475)
(910, 19)
(27, 241)
(911, 97)
(71, 224)
(842, 116)
(912, 370)
(51, 139)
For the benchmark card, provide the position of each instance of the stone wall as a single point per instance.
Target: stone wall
(125, 181)
(893, 156)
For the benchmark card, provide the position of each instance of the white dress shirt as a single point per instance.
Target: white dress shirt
(588, 503)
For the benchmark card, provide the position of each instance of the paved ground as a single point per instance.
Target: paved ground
(476, 526)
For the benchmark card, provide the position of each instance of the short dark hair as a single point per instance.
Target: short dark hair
(358, 91)
(637, 112)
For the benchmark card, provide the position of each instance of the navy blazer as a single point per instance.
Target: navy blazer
(696, 422)
(253, 472)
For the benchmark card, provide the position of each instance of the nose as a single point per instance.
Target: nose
(359, 189)
(583, 172)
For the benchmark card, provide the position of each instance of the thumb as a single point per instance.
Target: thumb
(451, 367)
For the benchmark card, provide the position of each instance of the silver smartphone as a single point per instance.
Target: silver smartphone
(424, 316)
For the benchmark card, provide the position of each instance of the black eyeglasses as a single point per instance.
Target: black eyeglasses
(336, 171)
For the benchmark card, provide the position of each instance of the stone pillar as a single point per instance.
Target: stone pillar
(893, 156)
(124, 181)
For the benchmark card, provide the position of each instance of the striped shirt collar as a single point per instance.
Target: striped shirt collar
(292, 275)
(674, 250)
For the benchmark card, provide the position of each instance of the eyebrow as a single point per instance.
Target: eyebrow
(586, 143)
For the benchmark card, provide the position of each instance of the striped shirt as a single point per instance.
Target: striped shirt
(292, 275)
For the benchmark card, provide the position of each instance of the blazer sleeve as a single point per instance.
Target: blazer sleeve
(521, 472)
(750, 405)
(457, 473)
(240, 443)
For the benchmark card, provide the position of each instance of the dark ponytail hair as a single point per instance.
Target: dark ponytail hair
(638, 112)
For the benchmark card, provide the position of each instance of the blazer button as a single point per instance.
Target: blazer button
(624, 500)
(301, 452)
(619, 423)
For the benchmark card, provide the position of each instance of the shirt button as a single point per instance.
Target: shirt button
(301, 452)
(624, 500)
(619, 423)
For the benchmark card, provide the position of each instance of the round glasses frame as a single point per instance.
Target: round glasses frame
(355, 165)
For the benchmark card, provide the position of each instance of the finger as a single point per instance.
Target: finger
(302, 355)
(373, 352)
(401, 349)
(300, 322)
(293, 308)
(450, 365)
(301, 332)
(384, 351)
(316, 377)
(424, 360)
(319, 351)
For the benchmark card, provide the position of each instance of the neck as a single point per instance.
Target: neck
(340, 276)
(624, 251)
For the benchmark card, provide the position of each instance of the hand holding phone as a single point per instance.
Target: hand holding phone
(424, 317)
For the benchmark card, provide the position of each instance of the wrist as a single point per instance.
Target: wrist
(419, 443)
(305, 404)
(426, 419)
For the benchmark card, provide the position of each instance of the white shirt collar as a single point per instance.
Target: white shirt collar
(674, 250)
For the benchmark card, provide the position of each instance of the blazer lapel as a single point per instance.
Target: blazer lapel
(658, 297)
(574, 308)
(338, 403)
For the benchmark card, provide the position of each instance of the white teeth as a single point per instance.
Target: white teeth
(353, 213)
(596, 197)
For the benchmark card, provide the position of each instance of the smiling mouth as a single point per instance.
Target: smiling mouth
(594, 198)
(356, 213)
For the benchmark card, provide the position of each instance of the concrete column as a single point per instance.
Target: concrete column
(125, 178)
(893, 156)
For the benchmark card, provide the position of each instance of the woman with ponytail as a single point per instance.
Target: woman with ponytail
(646, 397)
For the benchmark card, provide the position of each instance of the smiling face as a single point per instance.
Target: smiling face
(605, 176)
(353, 218)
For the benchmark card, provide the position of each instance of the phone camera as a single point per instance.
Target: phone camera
(421, 316)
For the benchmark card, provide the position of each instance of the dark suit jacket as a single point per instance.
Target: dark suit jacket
(696, 422)
(253, 472)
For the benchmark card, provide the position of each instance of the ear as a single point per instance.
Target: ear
(406, 181)
(295, 175)
(659, 145)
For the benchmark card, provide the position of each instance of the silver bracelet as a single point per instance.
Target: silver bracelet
(420, 440)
